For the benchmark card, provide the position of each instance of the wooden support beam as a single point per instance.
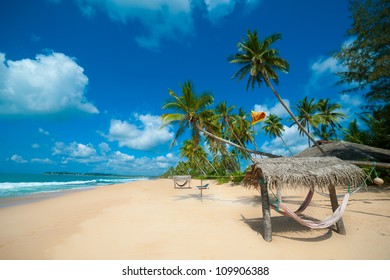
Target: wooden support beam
(335, 204)
(266, 212)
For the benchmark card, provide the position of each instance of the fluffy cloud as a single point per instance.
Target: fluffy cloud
(162, 19)
(276, 109)
(18, 159)
(217, 9)
(42, 160)
(74, 150)
(125, 164)
(104, 148)
(323, 73)
(294, 141)
(144, 136)
(44, 132)
(35, 146)
(48, 84)
(323, 65)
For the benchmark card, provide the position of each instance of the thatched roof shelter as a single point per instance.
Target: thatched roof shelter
(306, 172)
(349, 151)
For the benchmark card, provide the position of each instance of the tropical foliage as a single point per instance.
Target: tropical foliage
(260, 62)
(274, 128)
(207, 153)
(366, 60)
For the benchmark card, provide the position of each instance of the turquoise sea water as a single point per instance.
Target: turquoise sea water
(20, 185)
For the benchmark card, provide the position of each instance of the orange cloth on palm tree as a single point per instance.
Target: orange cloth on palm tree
(257, 117)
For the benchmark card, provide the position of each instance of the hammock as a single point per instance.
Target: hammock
(181, 181)
(302, 208)
(327, 222)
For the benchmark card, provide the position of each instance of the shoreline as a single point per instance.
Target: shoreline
(38, 196)
(150, 220)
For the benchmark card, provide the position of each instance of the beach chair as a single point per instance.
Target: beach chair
(201, 188)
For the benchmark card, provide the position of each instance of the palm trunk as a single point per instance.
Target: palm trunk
(286, 145)
(201, 169)
(211, 165)
(238, 146)
(308, 139)
(291, 113)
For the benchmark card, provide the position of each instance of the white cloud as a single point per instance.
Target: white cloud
(35, 146)
(126, 164)
(42, 160)
(323, 73)
(44, 132)
(350, 106)
(276, 109)
(323, 65)
(48, 84)
(74, 150)
(18, 159)
(162, 19)
(144, 136)
(218, 9)
(123, 157)
(294, 141)
(104, 148)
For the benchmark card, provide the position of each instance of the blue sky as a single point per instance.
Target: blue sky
(82, 82)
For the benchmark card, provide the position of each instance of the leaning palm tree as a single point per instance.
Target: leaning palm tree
(191, 111)
(329, 118)
(274, 128)
(194, 155)
(261, 63)
(307, 115)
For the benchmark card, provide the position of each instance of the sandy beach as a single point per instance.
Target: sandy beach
(152, 220)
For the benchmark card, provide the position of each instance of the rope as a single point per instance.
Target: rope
(282, 208)
(364, 183)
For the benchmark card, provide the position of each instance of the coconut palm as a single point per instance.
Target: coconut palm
(191, 111)
(241, 127)
(307, 115)
(274, 128)
(228, 126)
(261, 62)
(224, 111)
(194, 155)
(329, 118)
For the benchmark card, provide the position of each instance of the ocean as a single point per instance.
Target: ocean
(22, 185)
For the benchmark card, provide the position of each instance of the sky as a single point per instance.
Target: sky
(83, 82)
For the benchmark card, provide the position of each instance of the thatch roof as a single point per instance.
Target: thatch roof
(307, 172)
(348, 151)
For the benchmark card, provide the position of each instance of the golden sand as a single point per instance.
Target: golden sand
(152, 220)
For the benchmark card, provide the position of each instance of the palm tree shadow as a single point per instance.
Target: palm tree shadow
(202, 198)
(281, 226)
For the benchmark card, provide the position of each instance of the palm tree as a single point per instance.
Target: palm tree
(261, 62)
(224, 112)
(229, 130)
(307, 115)
(244, 134)
(274, 128)
(194, 155)
(190, 112)
(355, 135)
(329, 117)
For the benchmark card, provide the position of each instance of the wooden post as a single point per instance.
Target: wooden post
(335, 204)
(266, 212)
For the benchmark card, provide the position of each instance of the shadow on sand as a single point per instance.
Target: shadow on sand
(282, 226)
